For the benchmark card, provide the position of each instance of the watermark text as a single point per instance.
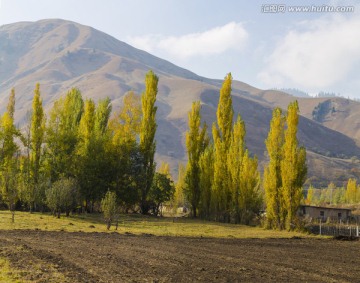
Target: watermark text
(282, 8)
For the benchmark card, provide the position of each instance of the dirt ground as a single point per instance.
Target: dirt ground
(101, 257)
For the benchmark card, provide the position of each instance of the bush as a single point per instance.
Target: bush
(109, 207)
(61, 196)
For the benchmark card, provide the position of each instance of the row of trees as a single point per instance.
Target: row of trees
(286, 171)
(72, 158)
(222, 178)
(333, 195)
(81, 157)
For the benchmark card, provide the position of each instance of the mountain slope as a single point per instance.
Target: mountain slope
(61, 54)
(342, 115)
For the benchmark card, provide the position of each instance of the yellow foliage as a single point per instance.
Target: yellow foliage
(126, 123)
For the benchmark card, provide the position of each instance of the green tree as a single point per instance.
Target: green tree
(94, 167)
(109, 208)
(37, 131)
(162, 190)
(102, 114)
(62, 135)
(24, 181)
(86, 163)
(61, 196)
(147, 136)
(9, 184)
(180, 187)
(9, 165)
(8, 133)
(196, 142)
(126, 157)
(86, 127)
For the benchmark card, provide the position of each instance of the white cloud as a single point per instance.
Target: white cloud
(316, 54)
(231, 36)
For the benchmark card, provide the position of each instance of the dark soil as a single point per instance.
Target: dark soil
(101, 257)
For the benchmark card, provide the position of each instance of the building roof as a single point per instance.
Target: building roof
(325, 207)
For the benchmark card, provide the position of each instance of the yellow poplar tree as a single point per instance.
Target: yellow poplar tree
(293, 167)
(222, 137)
(179, 198)
(86, 127)
(310, 195)
(196, 142)
(102, 114)
(235, 159)
(165, 169)
(351, 191)
(147, 136)
(125, 130)
(8, 131)
(272, 172)
(62, 134)
(126, 123)
(37, 130)
(225, 111)
(72, 108)
(221, 199)
(85, 156)
(206, 164)
(250, 199)
(9, 165)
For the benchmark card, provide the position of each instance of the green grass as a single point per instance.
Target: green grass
(138, 224)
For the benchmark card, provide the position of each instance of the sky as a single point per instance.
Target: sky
(261, 43)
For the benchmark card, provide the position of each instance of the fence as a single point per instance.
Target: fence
(334, 230)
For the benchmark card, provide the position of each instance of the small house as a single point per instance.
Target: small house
(324, 213)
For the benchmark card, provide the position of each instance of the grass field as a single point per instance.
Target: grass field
(138, 224)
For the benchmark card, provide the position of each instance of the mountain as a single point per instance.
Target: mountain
(61, 54)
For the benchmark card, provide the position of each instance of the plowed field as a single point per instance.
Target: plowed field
(41, 256)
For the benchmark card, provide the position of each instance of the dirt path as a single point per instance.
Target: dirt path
(100, 257)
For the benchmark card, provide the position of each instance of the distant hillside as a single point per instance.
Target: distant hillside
(61, 54)
(295, 92)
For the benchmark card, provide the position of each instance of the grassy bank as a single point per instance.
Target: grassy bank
(138, 224)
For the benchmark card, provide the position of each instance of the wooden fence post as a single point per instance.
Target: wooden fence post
(320, 226)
